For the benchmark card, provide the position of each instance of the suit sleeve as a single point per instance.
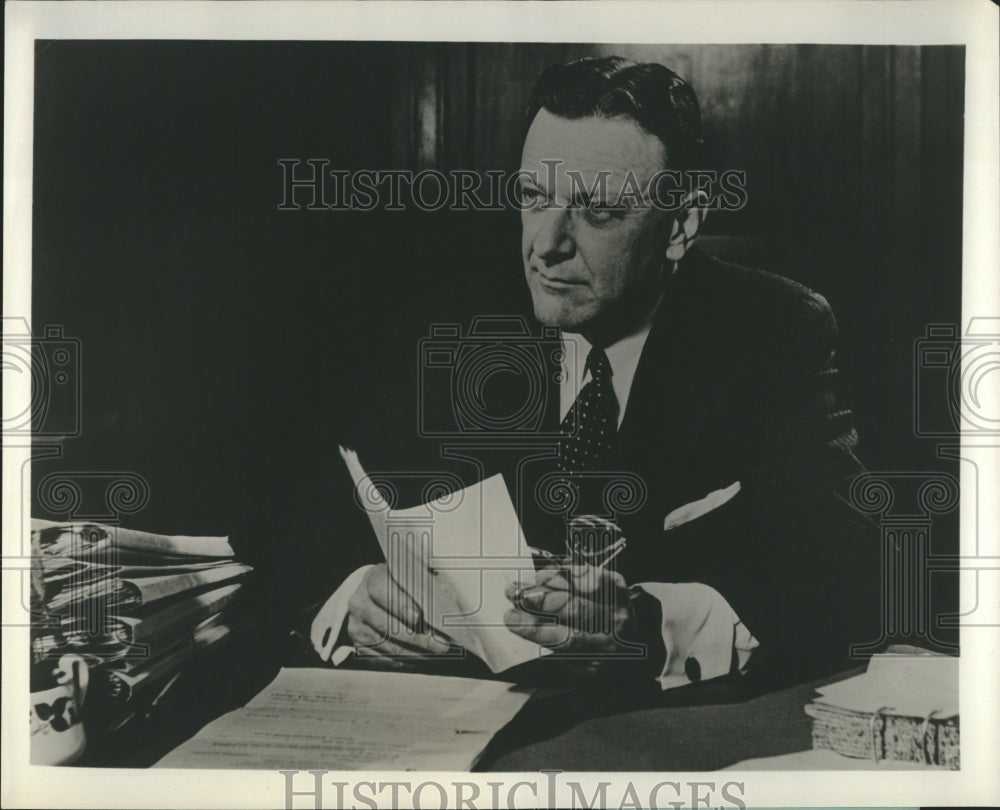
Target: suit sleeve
(796, 561)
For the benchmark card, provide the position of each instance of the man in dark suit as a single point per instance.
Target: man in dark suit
(690, 405)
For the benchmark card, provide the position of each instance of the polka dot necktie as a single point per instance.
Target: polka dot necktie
(590, 426)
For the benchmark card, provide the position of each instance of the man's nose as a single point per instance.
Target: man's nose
(553, 241)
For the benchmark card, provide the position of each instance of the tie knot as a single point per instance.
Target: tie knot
(599, 365)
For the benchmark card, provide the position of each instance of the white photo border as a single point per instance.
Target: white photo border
(972, 24)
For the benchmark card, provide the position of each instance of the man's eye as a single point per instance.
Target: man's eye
(531, 197)
(601, 212)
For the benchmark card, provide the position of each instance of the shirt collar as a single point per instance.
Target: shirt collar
(623, 355)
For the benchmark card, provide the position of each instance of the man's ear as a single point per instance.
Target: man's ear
(687, 222)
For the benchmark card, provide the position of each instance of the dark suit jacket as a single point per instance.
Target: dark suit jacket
(736, 382)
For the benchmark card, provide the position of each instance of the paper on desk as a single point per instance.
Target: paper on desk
(333, 719)
(368, 495)
(455, 556)
(910, 685)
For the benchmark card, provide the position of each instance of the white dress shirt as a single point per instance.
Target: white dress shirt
(623, 357)
(697, 621)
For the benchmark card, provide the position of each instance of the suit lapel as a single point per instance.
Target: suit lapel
(667, 404)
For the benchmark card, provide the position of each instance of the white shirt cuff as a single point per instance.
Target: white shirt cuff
(329, 621)
(699, 624)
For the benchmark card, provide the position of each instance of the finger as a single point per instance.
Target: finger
(519, 622)
(531, 594)
(543, 600)
(408, 647)
(516, 590)
(427, 641)
(373, 656)
(371, 624)
(590, 579)
(545, 581)
(585, 615)
(563, 608)
(552, 578)
(527, 627)
(385, 592)
(513, 589)
(365, 629)
(554, 602)
(588, 615)
(376, 634)
(363, 612)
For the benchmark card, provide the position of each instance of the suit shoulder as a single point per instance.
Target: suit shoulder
(766, 302)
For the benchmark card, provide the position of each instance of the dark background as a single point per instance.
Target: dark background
(222, 339)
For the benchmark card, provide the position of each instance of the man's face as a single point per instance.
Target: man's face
(582, 263)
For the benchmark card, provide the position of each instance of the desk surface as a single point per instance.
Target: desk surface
(703, 727)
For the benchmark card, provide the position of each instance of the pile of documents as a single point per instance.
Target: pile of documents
(137, 607)
(904, 708)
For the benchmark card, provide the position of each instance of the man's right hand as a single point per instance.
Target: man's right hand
(386, 624)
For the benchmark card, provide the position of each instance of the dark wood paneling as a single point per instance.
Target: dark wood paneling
(220, 334)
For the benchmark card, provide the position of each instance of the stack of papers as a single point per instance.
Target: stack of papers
(135, 606)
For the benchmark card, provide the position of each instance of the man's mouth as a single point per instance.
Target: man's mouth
(557, 284)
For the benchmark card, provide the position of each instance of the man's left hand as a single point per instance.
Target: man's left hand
(576, 609)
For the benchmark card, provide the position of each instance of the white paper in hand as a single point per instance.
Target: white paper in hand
(454, 556)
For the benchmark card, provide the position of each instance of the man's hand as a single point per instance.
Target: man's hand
(591, 608)
(386, 624)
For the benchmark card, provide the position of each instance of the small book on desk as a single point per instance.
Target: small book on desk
(904, 708)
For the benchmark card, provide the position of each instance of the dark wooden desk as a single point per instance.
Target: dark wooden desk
(703, 727)
(696, 728)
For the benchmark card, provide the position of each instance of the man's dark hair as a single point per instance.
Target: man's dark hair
(652, 95)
